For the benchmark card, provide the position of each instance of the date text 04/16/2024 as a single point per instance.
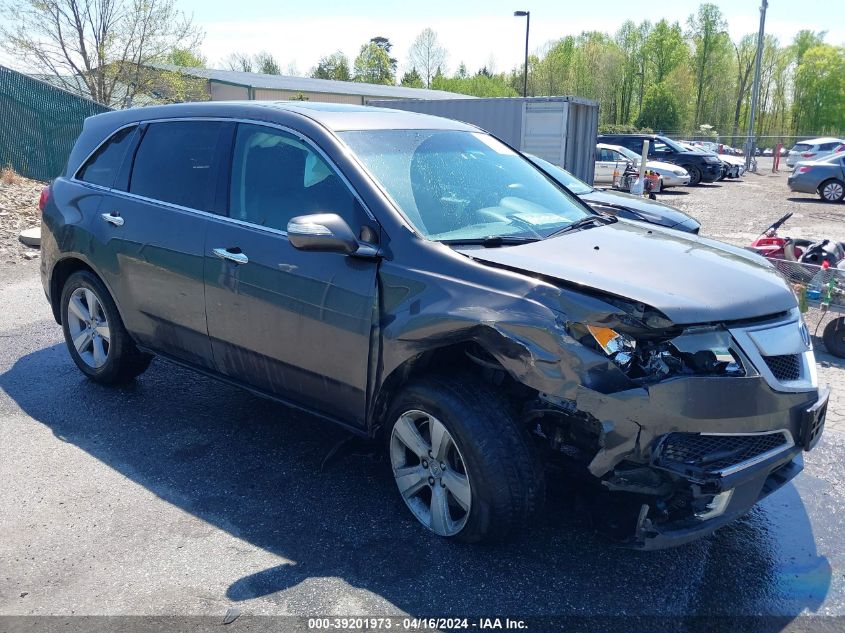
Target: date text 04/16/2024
(416, 624)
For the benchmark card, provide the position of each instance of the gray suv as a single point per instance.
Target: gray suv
(422, 284)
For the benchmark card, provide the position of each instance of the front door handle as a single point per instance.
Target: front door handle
(232, 254)
(113, 218)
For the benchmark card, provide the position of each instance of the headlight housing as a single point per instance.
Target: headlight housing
(707, 351)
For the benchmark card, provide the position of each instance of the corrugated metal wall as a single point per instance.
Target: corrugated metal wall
(560, 129)
(227, 92)
(502, 117)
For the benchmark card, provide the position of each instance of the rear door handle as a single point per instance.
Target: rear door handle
(113, 218)
(226, 253)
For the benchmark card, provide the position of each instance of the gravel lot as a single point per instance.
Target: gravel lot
(182, 496)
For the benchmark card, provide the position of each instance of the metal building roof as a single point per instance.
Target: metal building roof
(308, 84)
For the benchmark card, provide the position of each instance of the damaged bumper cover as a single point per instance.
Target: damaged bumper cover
(697, 453)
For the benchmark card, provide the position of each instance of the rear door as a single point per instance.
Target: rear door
(153, 225)
(293, 323)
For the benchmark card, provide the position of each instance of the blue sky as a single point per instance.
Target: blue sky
(474, 32)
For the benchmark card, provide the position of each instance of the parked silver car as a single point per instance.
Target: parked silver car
(825, 177)
(610, 158)
(812, 149)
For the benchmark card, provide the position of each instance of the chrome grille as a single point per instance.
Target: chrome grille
(785, 368)
(714, 453)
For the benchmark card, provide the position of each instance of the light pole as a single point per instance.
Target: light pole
(751, 143)
(527, 15)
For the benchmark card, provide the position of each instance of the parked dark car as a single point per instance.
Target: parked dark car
(417, 281)
(618, 203)
(702, 167)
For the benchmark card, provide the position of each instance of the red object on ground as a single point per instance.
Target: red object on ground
(44, 198)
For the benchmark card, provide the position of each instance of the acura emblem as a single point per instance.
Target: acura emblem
(805, 334)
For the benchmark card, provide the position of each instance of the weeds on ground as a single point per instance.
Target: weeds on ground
(9, 176)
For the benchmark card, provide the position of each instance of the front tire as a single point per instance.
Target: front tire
(463, 467)
(94, 333)
(694, 175)
(832, 190)
(834, 337)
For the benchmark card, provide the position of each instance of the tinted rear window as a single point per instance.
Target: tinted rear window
(103, 166)
(801, 147)
(176, 161)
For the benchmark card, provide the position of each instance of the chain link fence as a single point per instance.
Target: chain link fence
(39, 124)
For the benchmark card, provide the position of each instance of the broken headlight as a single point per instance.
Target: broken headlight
(697, 351)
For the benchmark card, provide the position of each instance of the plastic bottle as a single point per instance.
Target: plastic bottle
(814, 288)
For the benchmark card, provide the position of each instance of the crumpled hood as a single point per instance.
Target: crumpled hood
(689, 279)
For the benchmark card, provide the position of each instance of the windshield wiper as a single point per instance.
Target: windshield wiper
(491, 241)
(583, 223)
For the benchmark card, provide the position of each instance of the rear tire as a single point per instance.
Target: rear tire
(832, 190)
(94, 333)
(488, 478)
(694, 175)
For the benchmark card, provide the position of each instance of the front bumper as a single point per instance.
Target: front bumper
(673, 180)
(710, 172)
(716, 496)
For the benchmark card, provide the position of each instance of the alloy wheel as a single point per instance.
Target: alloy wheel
(430, 472)
(832, 191)
(89, 327)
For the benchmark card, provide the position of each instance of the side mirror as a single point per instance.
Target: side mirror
(322, 232)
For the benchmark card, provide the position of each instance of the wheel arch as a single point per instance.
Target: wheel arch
(827, 181)
(61, 272)
(460, 357)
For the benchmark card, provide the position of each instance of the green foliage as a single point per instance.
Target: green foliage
(712, 52)
(267, 64)
(820, 90)
(661, 110)
(478, 86)
(373, 65)
(334, 66)
(412, 79)
(665, 49)
(187, 58)
(623, 128)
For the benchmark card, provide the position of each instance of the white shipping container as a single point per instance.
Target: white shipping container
(561, 130)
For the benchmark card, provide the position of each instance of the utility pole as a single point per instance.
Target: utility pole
(751, 143)
(527, 16)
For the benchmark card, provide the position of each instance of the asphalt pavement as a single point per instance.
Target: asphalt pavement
(179, 495)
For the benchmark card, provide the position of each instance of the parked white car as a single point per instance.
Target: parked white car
(812, 149)
(611, 158)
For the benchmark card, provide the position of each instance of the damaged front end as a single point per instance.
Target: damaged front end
(711, 420)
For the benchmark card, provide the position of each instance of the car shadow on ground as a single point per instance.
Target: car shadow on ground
(253, 468)
(809, 200)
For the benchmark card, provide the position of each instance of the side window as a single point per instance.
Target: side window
(175, 163)
(661, 148)
(101, 169)
(276, 177)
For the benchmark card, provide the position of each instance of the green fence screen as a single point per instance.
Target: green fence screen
(39, 124)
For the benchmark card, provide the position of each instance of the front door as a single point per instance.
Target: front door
(293, 323)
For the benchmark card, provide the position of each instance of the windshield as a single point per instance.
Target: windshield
(455, 185)
(629, 154)
(673, 144)
(576, 186)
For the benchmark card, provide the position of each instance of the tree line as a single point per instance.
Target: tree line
(683, 79)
